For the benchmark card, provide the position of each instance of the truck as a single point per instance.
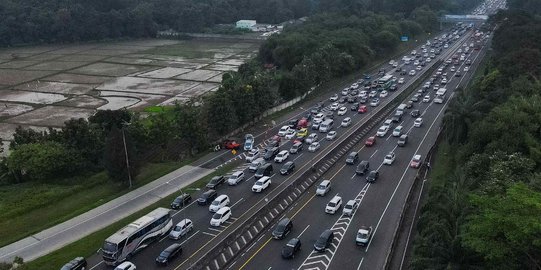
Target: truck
(440, 96)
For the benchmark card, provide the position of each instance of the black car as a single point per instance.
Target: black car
(415, 113)
(352, 158)
(207, 197)
(293, 123)
(292, 247)
(287, 168)
(403, 72)
(354, 106)
(324, 241)
(282, 229)
(271, 153)
(169, 254)
(396, 118)
(362, 168)
(372, 176)
(272, 143)
(398, 69)
(216, 181)
(181, 201)
(78, 263)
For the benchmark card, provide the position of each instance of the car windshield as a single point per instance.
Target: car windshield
(165, 254)
(331, 204)
(258, 183)
(321, 187)
(177, 228)
(388, 157)
(217, 216)
(215, 203)
(362, 235)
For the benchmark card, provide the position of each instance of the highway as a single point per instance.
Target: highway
(380, 202)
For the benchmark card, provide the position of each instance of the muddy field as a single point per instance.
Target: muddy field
(43, 86)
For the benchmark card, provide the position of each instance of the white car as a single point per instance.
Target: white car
(311, 138)
(453, 69)
(395, 65)
(444, 81)
(428, 59)
(412, 72)
(401, 81)
(350, 207)
(218, 203)
(333, 205)
(388, 122)
(389, 158)
(220, 216)
(373, 94)
(334, 106)
(331, 135)
(319, 118)
(342, 111)
(235, 178)
(382, 131)
(181, 229)
(466, 69)
(126, 266)
(397, 131)
(426, 99)
(314, 146)
(282, 156)
(334, 97)
(283, 130)
(253, 155)
(383, 94)
(363, 93)
(291, 134)
(419, 68)
(374, 102)
(345, 91)
(418, 122)
(346, 122)
(261, 184)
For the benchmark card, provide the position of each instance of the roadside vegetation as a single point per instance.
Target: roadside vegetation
(483, 209)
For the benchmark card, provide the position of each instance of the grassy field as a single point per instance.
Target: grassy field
(28, 208)
(89, 245)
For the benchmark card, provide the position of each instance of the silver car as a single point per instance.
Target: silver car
(181, 229)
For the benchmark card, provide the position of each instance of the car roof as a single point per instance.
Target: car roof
(351, 202)
(222, 210)
(417, 157)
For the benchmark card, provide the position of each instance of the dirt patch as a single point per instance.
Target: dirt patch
(81, 58)
(76, 78)
(57, 87)
(199, 89)
(12, 76)
(30, 97)
(13, 109)
(83, 101)
(199, 75)
(56, 65)
(165, 73)
(145, 85)
(107, 69)
(51, 116)
(117, 103)
(18, 64)
(222, 67)
(145, 99)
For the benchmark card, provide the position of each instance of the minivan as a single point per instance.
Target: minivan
(324, 241)
(220, 216)
(207, 197)
(401, 108)
(264, 170)
(323, 188)
(282, 229)
(256, 164)
(326, 125)
(235, 178)
(363, 167)
(218, 203)
(181, 229)
(296, 148)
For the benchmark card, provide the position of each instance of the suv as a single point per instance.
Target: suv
(282, 229)
(253, 155)
(181, 201)
(323, 188)
(287, 168)
(207, 197)
(78, 263)
(402, 140)
(363, 236)
(372, 176)
(215, 181)
(282, 156)
(352, 158)
(350, 207)
(333, 205)
(235, 178)
(296, 148)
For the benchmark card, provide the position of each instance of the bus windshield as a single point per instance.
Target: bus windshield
(109, 247)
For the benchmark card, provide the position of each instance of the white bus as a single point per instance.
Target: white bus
(440, 96)
(385, 82)
(137, 235)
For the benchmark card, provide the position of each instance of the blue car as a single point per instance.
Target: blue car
(248, 142)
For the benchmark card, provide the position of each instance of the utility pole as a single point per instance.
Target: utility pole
(126, 152)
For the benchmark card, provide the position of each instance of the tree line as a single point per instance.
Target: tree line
(47, 21)
(483, 209)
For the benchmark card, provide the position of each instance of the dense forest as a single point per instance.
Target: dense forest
(38, 21)
(483, 209)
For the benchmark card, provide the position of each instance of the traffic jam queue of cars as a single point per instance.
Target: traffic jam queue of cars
(306, 134)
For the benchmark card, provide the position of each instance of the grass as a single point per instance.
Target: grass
(29, 208)
(90, 244)
(442, 164)
(157, 109)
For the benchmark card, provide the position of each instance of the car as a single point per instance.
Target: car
(389, 158)
(354, 106)
(466, 69)
(382, 131)
(182, 228)
(383, 94)
(409, 104)
(283, 131)
(323, 188)
(256, 164)
(370, 141)
(402, 140)
(401, 81)
(329, 115)
(253, 155)
(415, 113)
(468, 62)
(363, 100)
(393, 87)
(415, 99)
(342, 111)
(403, 72)
(334, 106)
(230, 144)
(324, 241)
(282, 156)
(372, 176)
(290, 134)
(415, 161)
(220, 216)
(362, 168)
(352, 98)
(333, 205)
(311, 138)
(458, 74)
(418, 67)
(248, 142)
(78, 263)
(412, 72)
(350, 207)
(292, 247)
(436, 87)
(181, 201)
(126, 266)
(345, 91)
(418, 122)
(364, 234)
(331, 135)
(319, 118)
(261, 184)
(352, 158)
(374, 102)
(314, 146)
(363, 109)
(235, 178)
(292, 123)
(275, 141)
(444, 81)
(303, 132)
(453, 69)
(287, 168)
(218, 203)
(346, 122)
(334, 97)
(397, 117)
(426, 99)
(271, 152)
(296, 147)
(428, 59)
(373, 94)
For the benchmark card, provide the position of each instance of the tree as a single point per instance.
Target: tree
(107, 119)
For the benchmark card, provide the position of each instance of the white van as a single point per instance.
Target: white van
(218, 203)
(326, 125)
(235, 178)
(220, 217)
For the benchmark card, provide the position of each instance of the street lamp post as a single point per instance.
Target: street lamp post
(126, 153)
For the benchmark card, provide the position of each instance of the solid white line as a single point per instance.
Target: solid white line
(210, 234)
(182, 244)
(216, 230)
(303, 231)
(374, 153)
(404, 174)
(241, 199)
(359, 267)
(411, 228)
(101, 262)
(298, 156)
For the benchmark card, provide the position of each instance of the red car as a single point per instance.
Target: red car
(416, 162)
(303, 123)
(370, 141)
(231, 144)
(363, 109)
